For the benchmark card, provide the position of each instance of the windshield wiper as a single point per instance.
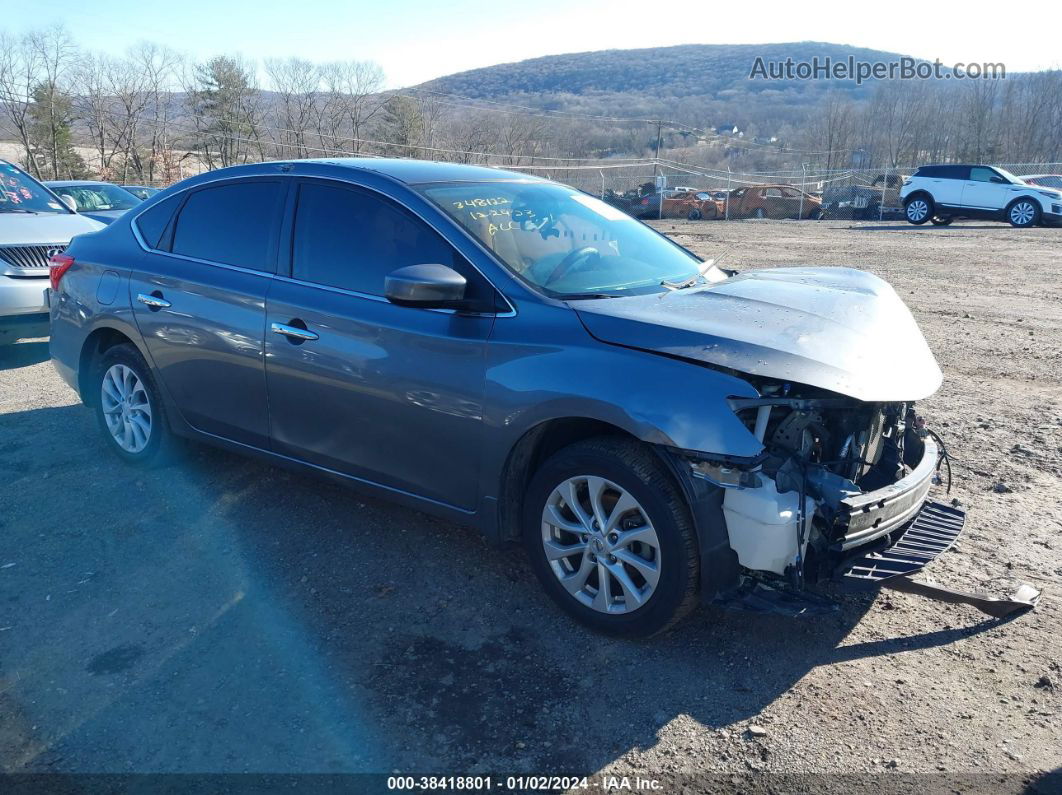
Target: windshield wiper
(17, 210)
(690, 282)
(581, 296)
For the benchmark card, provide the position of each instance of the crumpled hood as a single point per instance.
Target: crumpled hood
(840, 329)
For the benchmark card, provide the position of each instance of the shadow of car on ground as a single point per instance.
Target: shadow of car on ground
(226, 615)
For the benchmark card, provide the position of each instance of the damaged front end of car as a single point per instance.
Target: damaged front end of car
(840, 483)
(841, 491)
(837, 476)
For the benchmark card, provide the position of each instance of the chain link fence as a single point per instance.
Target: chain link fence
(669, 189)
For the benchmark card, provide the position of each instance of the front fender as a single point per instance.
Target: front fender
(660, 400)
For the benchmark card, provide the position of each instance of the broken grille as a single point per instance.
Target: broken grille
(932, 532)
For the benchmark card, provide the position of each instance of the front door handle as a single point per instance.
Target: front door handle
(294, 332)
(153, 301)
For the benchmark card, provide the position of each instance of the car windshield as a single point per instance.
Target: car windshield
(564, 242)
(91, 198)
(1011, 177)
(20, 193)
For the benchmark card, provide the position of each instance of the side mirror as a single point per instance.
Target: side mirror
(69, 202)
(998, 180)
(425, 286)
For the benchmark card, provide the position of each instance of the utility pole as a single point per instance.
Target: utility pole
(656, 174)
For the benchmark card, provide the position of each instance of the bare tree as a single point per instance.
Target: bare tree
(295, 82)
(19, 74)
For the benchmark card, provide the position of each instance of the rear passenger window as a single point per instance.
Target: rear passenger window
(349, 238)
(232, 224)
(956, 172)
(152, 222)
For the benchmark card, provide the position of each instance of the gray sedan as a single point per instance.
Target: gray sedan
(513, 354)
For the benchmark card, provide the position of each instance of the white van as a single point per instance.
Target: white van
(34, 225)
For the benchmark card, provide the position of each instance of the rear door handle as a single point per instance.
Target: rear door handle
(294, 332)
(153, 301)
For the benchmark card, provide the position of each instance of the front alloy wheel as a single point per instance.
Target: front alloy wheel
(600, 544)
(1022, 214)
(610, 537)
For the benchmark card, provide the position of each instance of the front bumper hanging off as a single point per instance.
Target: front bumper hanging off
(932, 532)
(884, 537)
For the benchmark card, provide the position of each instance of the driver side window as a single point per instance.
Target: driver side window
(979, 174)
(352, 239)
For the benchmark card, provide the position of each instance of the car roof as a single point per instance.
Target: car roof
(409, 172)
(413, 172)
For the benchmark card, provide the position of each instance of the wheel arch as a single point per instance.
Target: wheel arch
(1034, 201)
(720, 571)
(97, 343)
(525, 457)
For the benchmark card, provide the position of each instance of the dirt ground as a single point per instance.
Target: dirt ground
(229, 616)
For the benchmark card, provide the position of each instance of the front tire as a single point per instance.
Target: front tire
(129, 408)
(610, 537)
(1023, 213)
(918, 209)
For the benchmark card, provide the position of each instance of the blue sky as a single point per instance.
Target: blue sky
(416, 40)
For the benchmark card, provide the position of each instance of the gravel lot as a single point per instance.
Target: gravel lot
(229, 616)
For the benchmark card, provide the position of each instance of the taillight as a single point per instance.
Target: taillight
(58, 265)
(645, 201)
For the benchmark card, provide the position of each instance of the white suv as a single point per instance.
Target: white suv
(940, 194)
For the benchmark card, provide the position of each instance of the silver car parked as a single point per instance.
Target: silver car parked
(34, 226)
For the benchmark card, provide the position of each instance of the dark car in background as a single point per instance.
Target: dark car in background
(878, 200)
(141, 191)
(514, 354)
(100, 201)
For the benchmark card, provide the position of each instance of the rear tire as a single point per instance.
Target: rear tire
(638, 513)
(129, 408)
(694, 215)
(1023, 213)
(918, 209)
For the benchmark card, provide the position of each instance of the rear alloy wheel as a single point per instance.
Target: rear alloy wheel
(128, 408)
(918, 210)
(1023, 213)
(694, 215)
(610, 537)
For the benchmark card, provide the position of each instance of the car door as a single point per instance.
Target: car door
(947, 187)
(381, 392)
(791, 202)
(985, 189)
(199, 302)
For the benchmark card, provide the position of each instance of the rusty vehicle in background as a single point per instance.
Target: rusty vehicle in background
(771, 201)
(686, 203)
(694, 205)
